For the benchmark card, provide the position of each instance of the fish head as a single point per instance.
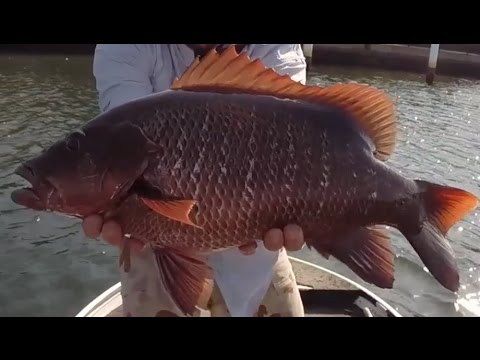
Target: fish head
(88, 172)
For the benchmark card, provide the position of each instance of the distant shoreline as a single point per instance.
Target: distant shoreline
(401, 57)
(457, 60)
(54, 49)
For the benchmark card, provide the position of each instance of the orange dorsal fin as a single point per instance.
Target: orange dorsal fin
(230, 72)
(373, 110)
(177, 210)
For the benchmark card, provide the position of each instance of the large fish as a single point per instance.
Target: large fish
(234, 149)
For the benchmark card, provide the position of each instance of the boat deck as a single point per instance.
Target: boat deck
(324, 294)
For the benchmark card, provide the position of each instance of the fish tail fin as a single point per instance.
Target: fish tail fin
(444, 206)
(366, 251)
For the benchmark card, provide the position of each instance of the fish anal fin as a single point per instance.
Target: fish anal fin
(368, 253)
(230, 72)
(187, 278)
(177, 210)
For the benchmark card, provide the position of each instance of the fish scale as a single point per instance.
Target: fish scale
(248, 199)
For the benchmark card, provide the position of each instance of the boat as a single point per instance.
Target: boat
(324, 292)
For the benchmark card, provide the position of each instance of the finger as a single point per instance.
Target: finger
(92, 226)
(112, 233)
(248, 249)
(294, 240)
(274, 240)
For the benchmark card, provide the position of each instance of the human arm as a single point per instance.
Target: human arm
(285, 59)
(122, 73)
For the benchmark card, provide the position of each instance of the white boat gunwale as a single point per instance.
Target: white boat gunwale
(378, 299)
(112, 294)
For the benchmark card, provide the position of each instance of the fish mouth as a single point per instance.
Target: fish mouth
(31, 197)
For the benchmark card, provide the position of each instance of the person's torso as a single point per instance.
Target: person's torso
(171, 61)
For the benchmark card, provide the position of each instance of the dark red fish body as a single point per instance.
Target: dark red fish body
(235, 150)
(256, 162)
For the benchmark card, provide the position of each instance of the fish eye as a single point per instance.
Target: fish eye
(73, 143)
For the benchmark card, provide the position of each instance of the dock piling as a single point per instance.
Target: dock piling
(308, 52)
(432, 63)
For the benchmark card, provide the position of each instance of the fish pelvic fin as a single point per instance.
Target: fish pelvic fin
(444, 206)
(367, 252)
(230, 72)
(186, 277)
(177, 210)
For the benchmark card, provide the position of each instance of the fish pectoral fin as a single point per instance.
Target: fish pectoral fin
(174, 209)
(186, 277)
(368, 252)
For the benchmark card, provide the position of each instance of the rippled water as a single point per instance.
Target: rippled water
(48, 268)
(439, 141)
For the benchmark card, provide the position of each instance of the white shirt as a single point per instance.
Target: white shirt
(125, 72)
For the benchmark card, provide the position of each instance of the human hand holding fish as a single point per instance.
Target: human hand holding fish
(291, 237)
